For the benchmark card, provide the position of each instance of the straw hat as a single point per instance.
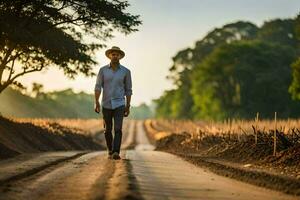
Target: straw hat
(114, 48)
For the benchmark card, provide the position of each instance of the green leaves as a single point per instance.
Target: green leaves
(236, 71)
(39, 33)
(294, 89)
(243, 78)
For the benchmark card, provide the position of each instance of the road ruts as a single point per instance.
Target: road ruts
(80, 178)
(66, 175)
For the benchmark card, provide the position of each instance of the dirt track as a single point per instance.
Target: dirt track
(141, 174)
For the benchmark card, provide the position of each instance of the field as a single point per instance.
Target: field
(86, 125)
(262, 132)
(244, 142)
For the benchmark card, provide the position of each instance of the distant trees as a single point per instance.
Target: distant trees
(57, 104)
(242, 78)
(235, 71)
(143, 111)
(37, 89)
(36, 34)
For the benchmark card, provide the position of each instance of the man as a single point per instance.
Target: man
(115, 81)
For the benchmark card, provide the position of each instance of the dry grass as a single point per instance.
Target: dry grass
(256, 132)
(87, 125)
(230, 126)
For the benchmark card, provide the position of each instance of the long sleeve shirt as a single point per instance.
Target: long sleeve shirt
(115, 85)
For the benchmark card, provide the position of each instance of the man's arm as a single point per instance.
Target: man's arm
(97, 104)
(128, 98)
(98, 86)
(128, 92)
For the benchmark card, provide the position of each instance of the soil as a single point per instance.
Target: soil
(19, 137)
(240, 160)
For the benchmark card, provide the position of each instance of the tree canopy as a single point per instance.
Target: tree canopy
(236, 71)
(242, 78)
(36, 34)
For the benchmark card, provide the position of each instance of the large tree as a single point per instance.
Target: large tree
(242, 78)
(36, 34)
(218, 77)
(188, 58)
(180, 101)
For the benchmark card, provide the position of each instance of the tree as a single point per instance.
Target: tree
(36, 34)
(241, 78)
(180, 101)
(188, 58)
(37, 89)
(281, 31)
(143, 111)
(294, 88)
(164, 107)
(234, 71)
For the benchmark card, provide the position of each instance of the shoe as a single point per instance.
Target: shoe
(116, 156)
(110, 155)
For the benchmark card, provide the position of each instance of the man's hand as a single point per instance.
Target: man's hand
(97, 107)
(127, 111)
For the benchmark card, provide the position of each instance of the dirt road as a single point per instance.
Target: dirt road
(141, 174)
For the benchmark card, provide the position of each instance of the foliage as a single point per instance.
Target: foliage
(236, 71)
(142, 111)
(36, 34)
(242, 78)
(295, 86)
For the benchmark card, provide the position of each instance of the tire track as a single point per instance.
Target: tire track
(34, 166)
(63, 175)
(82, 178)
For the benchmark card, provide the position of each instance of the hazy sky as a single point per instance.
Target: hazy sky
(168, 26)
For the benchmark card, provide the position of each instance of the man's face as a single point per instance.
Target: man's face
(114, 56)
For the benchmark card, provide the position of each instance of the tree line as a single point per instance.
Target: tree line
(56, 104)
(236, 71)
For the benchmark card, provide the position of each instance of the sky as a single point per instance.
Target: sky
(168, 27)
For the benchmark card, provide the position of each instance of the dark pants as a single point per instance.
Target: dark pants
(116, 116)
